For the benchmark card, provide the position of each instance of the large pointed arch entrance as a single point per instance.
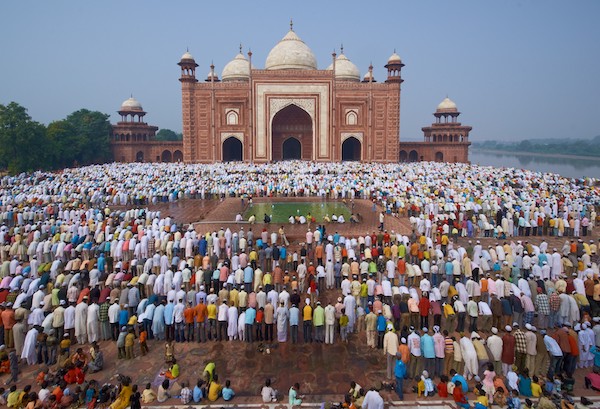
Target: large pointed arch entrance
(351, 148)
(292, 134)
(232, 149)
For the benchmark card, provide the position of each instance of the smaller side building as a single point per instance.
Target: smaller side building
(446, 140)
(133, 140)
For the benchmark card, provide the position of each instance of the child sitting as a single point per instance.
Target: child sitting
(500, 397)
(442, 387)
(481, 402)
(428, 384)
(513, 400)
(227, 392)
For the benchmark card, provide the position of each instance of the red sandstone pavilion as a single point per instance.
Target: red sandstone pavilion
(290, 110)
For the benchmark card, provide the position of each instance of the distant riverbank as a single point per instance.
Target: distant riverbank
(571, 166)
(543, 155)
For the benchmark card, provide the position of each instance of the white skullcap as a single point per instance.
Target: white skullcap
(494, 330)
(528, 326)
(508, 328)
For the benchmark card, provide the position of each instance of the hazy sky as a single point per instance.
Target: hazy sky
(526, 69)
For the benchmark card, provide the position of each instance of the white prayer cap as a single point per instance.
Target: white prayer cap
(508, 328)
(494, 330)
(528, 326)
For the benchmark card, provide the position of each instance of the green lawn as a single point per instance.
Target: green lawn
(280, 212)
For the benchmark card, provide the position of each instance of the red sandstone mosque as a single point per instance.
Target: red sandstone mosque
(290, 110)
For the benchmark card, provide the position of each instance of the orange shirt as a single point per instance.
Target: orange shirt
(201, 312)
(188, 315)
(484, 285)
(143, 336)
(404, 353)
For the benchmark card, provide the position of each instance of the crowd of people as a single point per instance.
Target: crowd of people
(435, 301)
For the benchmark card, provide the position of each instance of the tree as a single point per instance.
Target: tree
(23, 142)
(87, 134)
(168, 135)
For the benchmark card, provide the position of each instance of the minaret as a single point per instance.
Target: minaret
(394, 66)
(188, 79)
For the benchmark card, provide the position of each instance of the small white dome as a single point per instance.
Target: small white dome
(345, 69)
(237, 69)
(447, 105)
(367, 76)
(131, 104)
(187, 56)
(291, 54)
(394, 58)
(211, 74)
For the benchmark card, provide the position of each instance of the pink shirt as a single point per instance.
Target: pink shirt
(439, 344)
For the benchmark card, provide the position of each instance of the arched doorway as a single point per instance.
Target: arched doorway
(351, 149)
(403, 156)
(232, 149)
(166, 156)
(139, 157)
(439, 157)
(177, 156)
(291, 124)
(291, 149)
(413, 156)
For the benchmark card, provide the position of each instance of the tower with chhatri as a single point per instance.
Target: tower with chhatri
(445, 140)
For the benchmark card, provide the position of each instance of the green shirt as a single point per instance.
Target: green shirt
(319, 316)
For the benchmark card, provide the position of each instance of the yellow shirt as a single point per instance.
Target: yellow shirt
(483, 400)
(211, 311)
(213, 391)
(536, 390)
(307, 313)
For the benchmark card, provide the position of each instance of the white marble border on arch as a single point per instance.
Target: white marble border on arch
(319, 93)
(237, 135)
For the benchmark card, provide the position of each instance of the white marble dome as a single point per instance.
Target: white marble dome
(447, 105)
(131, 104)
(345, 70)
(237, 69)
(187, 56)
(291, 54)
(394, 58)
(368, 76)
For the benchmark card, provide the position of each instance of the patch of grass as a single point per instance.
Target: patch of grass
(280, 212)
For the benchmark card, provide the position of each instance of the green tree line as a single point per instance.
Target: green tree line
(82, 138)
(26, 145)
(581, 147)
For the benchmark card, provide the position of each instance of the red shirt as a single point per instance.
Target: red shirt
(424, 306)
(443, 389)
(458, 395)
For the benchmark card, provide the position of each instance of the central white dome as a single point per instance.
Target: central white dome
(291, 54)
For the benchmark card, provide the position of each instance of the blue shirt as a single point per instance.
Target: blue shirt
(197, 394)
(381, 323)
(248, 274)
(169, 313)
(427, 346)
(462, 380)
(227, 393)
(250, 316)
(294, 316)
(123, 317)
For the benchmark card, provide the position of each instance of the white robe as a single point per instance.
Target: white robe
(232, 325)
(29, 347)
(469, 356)
(81, 311)
(93, 319)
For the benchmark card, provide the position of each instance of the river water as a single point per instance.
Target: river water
(568, 167)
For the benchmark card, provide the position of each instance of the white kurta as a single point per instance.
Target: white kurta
(232, 322)
(81, 311)
(93, 320)
(29, 347)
